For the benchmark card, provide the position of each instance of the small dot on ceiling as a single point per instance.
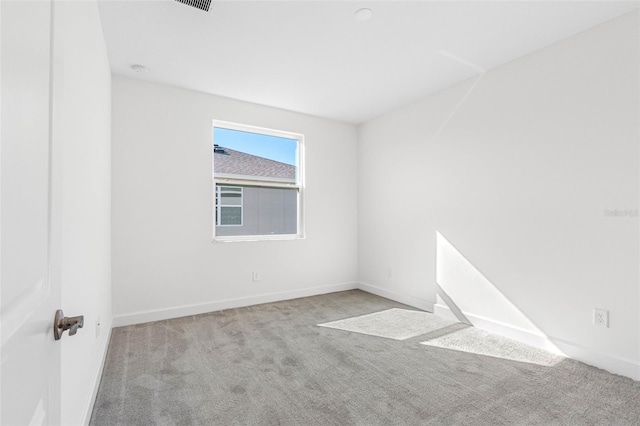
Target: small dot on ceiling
(139, 68)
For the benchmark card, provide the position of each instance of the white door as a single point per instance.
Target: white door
(30, 292)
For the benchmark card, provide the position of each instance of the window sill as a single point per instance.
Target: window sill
(254, 238)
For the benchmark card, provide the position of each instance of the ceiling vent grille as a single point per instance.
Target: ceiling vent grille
(198, 4)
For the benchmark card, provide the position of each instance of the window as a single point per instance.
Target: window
(258, 185)
(228, 206)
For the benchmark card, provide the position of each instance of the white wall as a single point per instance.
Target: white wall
(164, 262)
(515, 171)
(82, 181)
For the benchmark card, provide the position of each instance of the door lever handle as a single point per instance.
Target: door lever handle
(62, 323)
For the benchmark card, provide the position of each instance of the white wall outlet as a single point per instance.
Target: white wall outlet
(389, 273)
(256, 276)
(601, 317)
(98, 327)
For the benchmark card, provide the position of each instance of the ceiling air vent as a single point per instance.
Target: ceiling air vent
(198, 4)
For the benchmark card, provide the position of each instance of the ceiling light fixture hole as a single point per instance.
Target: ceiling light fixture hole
(363, 14)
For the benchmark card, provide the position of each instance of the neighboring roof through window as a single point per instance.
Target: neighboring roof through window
(231, 163)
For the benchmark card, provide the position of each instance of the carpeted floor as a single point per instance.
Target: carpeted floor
(273, 365)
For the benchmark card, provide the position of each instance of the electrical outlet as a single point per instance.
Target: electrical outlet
(256, 276)
(601, 317)
(389, 273)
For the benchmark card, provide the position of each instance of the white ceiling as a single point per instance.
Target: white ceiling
(315, 57)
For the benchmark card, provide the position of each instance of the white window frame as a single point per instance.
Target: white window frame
(232, 181)
(220, 206)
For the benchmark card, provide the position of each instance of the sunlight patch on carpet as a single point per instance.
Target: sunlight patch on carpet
(394, 323)
(480, 342)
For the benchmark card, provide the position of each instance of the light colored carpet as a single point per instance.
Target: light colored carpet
(394, 323)
(272, 365)
(476, 341)
(402, 324)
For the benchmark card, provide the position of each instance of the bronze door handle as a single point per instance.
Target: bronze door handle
(62, 323)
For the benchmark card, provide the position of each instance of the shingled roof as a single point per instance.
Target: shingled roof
(237, 163)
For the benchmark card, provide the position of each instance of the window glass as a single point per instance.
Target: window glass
(230, 196)
(231, 216)
(258, 183)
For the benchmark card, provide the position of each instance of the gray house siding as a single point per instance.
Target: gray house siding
(265, 211)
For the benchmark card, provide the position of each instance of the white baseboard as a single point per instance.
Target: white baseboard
(425, 305)
(202, 308)
(98, 377)
(613, 364)
(444, 312)
(527, 337)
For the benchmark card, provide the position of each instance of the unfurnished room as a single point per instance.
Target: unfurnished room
(236, 212)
